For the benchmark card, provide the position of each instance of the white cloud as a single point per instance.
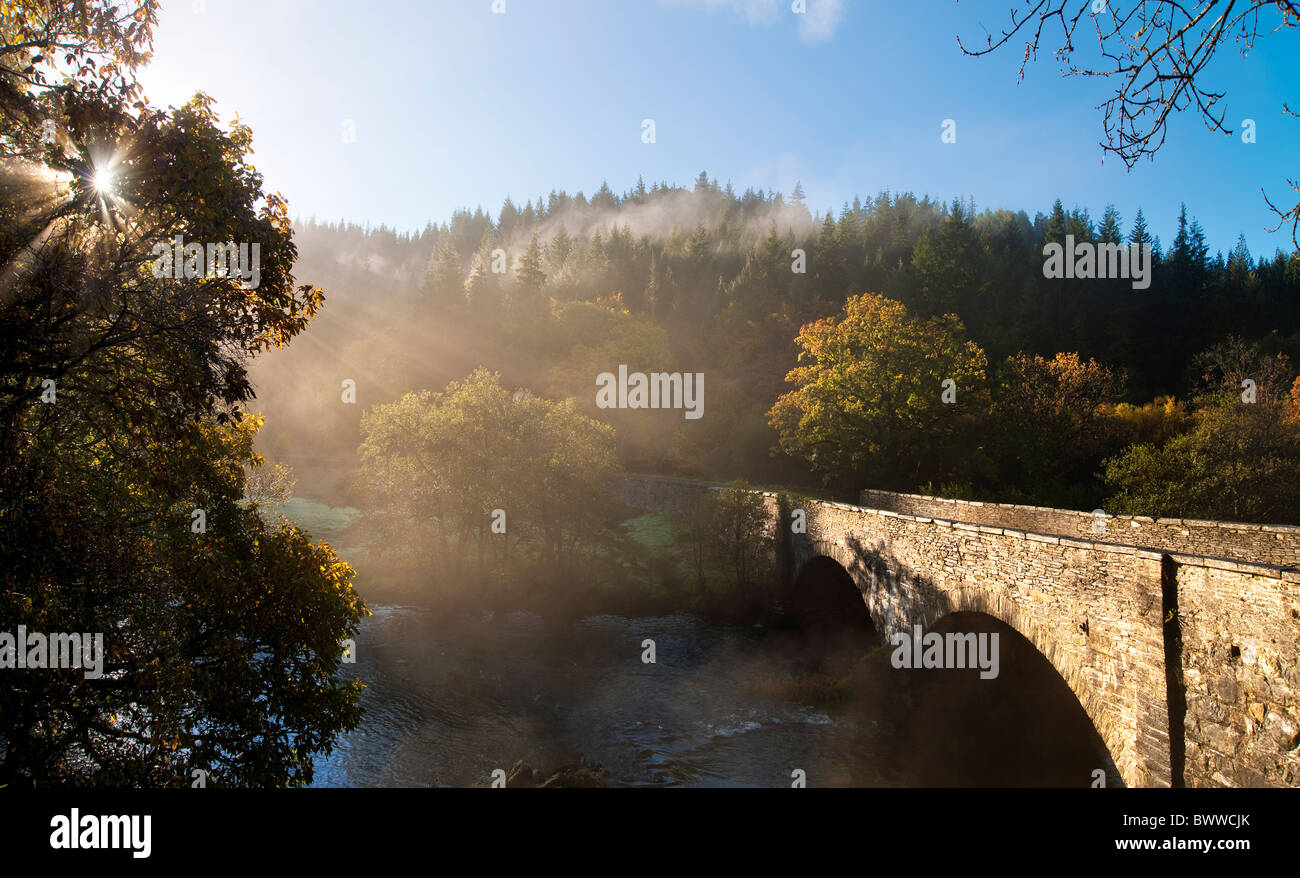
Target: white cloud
(815, 25)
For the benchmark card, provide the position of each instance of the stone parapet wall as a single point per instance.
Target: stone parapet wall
(1277, 545)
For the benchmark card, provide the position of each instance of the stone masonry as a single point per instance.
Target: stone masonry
(1179, 638)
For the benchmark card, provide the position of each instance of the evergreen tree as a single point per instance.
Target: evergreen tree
(444, 281)
(559, 249)
(1240, 256)
(527, 301)
(1110, 231)
(1079, 225)
(1056, 223)
(1181, 244)
(508, 218)
(1197, 248)
(483, 288)
(1140, 234)
(604, 198)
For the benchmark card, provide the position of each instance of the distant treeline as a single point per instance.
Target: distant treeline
(706, 280)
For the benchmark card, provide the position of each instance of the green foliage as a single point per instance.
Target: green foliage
(526, 299)
(1240, 460)
(1050, 425)
(222, 642)
(436, 466)
(704, 279)
(741, 522)
(589, 338)
(867, 406)
(729, 528)
(444, 284)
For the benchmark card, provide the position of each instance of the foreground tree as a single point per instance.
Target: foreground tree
(123, 439)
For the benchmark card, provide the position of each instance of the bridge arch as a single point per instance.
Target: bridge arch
(825, 596)
(897, 599)
(1024, 727)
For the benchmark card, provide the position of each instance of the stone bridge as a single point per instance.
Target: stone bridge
(1179, 638)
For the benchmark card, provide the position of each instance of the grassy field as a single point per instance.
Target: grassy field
(651, 530)
(322, 521)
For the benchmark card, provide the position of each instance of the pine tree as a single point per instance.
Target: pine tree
(483, 293)
(508, 217)
(1182, 248)
(559, 249)
(847, 233)
(1198, 250)
(1240, 254)
(1140, 234)
(1111, 231)
(1056, 223)
(699, 247)
(526, 299)
(1079, 225)
(444, 281)
(604, 197)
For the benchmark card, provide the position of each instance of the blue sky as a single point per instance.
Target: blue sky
(453, 105)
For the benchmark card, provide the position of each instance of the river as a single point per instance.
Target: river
(452, 696)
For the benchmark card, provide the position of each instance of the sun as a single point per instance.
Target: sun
(104, 181)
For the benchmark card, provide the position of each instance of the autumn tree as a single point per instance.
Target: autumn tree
(869, 409)
(1051, 426)
(1241, 458)
(124, 438)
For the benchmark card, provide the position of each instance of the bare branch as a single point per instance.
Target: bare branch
(1157, 52)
